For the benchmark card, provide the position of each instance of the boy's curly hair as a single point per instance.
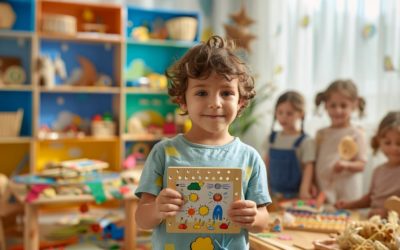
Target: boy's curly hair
(215, 55)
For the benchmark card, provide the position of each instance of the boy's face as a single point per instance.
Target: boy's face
(212, 104)
(339, 108)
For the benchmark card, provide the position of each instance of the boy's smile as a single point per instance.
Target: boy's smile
(212, 105)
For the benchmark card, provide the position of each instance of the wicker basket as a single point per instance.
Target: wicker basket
(61, 24)
(182, 28)
(10, 123)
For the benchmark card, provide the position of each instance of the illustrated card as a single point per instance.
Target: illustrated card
(208, 193)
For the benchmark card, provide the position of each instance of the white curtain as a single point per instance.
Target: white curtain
(331, 46)
(317, 41)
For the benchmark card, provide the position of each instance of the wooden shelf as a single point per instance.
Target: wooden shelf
(161, 43)
(140, 90)
(15, 34)
(84, 37)
(81, 89)
(16, 88)
(15, 140)
(144, 137)
(81, 139)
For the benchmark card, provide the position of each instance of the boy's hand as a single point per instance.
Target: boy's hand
(243, 213)
(168, 202)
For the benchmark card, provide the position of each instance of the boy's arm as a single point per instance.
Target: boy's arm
(153, 209)
(147, 216)
(261, 220)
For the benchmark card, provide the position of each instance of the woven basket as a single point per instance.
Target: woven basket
(182, 28)
(61, 24)
(10, 123)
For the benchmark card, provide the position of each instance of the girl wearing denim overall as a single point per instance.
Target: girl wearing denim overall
(291, 153)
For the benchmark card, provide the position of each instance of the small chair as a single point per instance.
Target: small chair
(7, 208)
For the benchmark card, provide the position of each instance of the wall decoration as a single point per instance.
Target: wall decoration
(368, 31)
(208, 193)
(238, 30)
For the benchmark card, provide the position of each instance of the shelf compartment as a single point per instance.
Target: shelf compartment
(11, 101)
(109, 14)
(85, 63)
(71, 111)
(165, 56)
(151, 109)
(24, 13)
(14, 157)
(56, 151)
(138, 16)
(17, 51)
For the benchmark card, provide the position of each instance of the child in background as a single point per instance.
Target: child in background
(340, 176)
(385, 179)
(212, 86)
(291, 153)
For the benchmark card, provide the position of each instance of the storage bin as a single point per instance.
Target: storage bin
(182, 28)
(10, 123)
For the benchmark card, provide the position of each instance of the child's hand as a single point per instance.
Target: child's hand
(304, 194)
(168, 202)
(377, 211)
(340, 205)
(339, 166)
(243, 213)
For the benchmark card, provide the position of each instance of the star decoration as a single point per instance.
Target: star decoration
(241, 18)
(238, 31)
(241, 37)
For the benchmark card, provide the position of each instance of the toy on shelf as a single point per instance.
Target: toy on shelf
(182, 28)
(11, 71)
(59, 24)
(87, 75)
(276, 226)
(207, 192)
(73, 168)
(89, 25)
(7, 17)
(48, 70)
(169, 127)
(103, 126)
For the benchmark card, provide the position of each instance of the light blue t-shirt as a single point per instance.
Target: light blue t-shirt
(178, 151)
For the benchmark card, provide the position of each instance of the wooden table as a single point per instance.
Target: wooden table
(31, 229)
(299, 240)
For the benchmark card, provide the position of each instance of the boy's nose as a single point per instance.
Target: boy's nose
(214, 103)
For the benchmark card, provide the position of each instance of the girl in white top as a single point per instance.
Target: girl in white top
(385, 179)
(339, 176)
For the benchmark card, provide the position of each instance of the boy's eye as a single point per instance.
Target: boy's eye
(227, 93)
(201, 93)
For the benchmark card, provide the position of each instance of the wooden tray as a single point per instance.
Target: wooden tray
(326, 245)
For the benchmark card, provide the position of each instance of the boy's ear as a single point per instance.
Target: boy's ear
(183, 107)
